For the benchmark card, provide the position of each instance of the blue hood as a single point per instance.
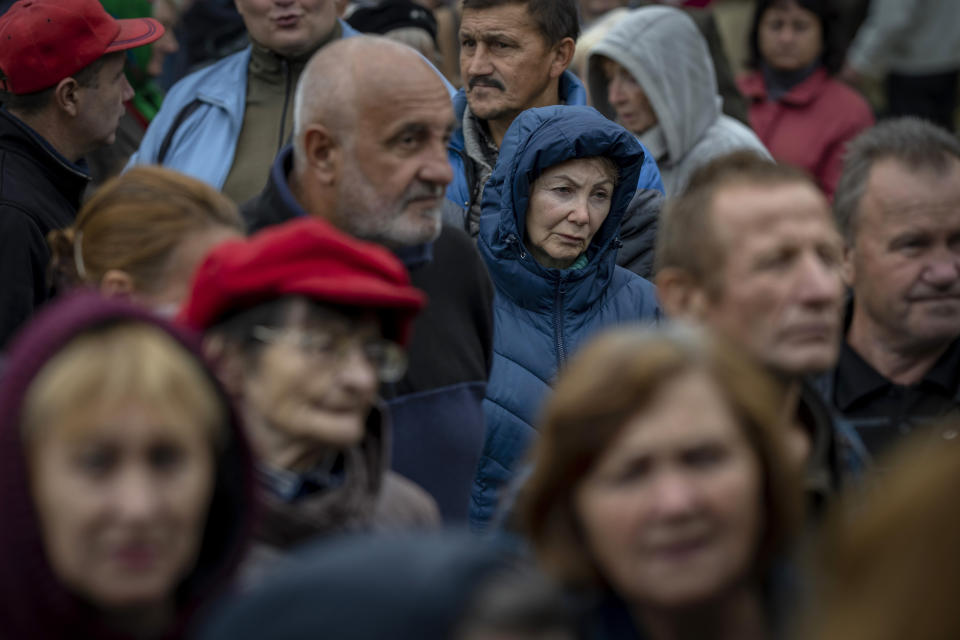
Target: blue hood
(539, 139)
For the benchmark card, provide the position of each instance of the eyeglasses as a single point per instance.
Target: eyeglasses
(388, 358)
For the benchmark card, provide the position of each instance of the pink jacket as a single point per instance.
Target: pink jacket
(810, 126)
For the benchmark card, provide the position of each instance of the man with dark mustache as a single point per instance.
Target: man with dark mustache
(371, 127)
(898, 207)
(514, 56)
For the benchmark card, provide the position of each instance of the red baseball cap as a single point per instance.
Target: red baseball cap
(306, 257)
(44, 41)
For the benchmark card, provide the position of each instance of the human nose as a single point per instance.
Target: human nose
(819, 283)
(579, 213)
(675, 494)
(135, 495)
(478, 62)
(357, 371)
(127, 90)
(943, 270)
(615, 92)
(436, 167)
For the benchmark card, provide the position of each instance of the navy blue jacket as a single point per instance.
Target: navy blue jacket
(435, 409)
(542, 315)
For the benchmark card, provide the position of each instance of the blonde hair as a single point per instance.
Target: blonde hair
(105, 368)
(135, 222)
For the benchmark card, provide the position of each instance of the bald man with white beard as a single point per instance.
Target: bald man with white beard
(371, 125)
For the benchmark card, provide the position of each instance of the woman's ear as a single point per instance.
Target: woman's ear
(116, 283)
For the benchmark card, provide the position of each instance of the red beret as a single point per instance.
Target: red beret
(306, 257)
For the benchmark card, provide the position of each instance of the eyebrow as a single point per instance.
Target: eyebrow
(563, 176)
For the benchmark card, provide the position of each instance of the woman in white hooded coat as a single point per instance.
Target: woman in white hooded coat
(653, 74)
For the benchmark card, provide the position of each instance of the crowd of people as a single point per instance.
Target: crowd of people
(479, 320)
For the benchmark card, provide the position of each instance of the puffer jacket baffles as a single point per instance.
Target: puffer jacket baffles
(665, 53)
(542, 315)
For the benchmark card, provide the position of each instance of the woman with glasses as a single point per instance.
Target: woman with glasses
(305, 324)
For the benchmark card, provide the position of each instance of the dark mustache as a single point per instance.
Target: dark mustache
(486, 81)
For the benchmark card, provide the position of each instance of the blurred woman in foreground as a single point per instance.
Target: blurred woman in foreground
(125, 480)
(661, 490)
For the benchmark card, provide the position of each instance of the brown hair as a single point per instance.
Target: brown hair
(134, 222)
(888, 564)
(606, 384)
(687, 238)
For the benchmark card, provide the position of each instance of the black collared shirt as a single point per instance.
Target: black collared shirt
(883, 412)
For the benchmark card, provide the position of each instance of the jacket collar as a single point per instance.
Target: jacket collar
(70, 178)
(754, 87)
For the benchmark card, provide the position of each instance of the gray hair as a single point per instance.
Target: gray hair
(915, 143)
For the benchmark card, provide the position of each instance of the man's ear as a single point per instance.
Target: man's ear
(562, 56)
(66, 95)
(680, 295)
(116, 283)
(322, 154)
(847, 271)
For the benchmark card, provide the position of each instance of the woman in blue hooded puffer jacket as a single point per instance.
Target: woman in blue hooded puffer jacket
(556, 284)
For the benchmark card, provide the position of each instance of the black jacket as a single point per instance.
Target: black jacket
(39, 191)
(438, 425)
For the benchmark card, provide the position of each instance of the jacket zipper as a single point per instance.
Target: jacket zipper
(558, 326)
(286, 103)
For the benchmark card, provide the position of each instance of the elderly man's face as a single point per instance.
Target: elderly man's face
(904, 265)
(779, 292)
(288, 27)
(395, 168)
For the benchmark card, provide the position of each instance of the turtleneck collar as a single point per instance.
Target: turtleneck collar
(268, 65)
(779, 83)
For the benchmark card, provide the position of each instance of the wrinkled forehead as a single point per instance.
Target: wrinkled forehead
(899, 197)
(748, 215)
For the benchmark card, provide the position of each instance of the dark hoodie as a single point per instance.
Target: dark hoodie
(366, 588)
(33, 603)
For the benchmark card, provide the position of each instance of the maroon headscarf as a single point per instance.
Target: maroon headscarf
(34, 605)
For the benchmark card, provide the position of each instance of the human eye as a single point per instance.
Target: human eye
(910, 244)
(466, 42)
(165, 457)
(317, 344)
(631, 471)
(97, 461)
(705, 456)
(601, 194)
(776, 261)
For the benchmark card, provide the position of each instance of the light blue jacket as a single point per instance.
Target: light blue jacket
(542, 315)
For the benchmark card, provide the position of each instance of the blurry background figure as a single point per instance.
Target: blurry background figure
(593, 10)
(590, 36)
(751, 251)
(143, 68)
(142, 235)
(916, 45)
(305, 325)
(549, 234)
(652, 73)
(889, 566)
(401, 20)
(368, 587)
(802, 114)
(208, 31)
(661, 491)
(127, 485)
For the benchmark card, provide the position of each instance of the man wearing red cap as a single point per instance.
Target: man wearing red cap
(305, 323)
(62, 90)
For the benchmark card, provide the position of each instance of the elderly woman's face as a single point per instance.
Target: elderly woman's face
(671, 512)
(568, 203)
(789, 37)
(122, 498)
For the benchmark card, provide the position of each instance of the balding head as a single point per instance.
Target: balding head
(371, 124)
(327, 91)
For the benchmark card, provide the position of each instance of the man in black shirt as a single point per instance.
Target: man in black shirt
(898, 206)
